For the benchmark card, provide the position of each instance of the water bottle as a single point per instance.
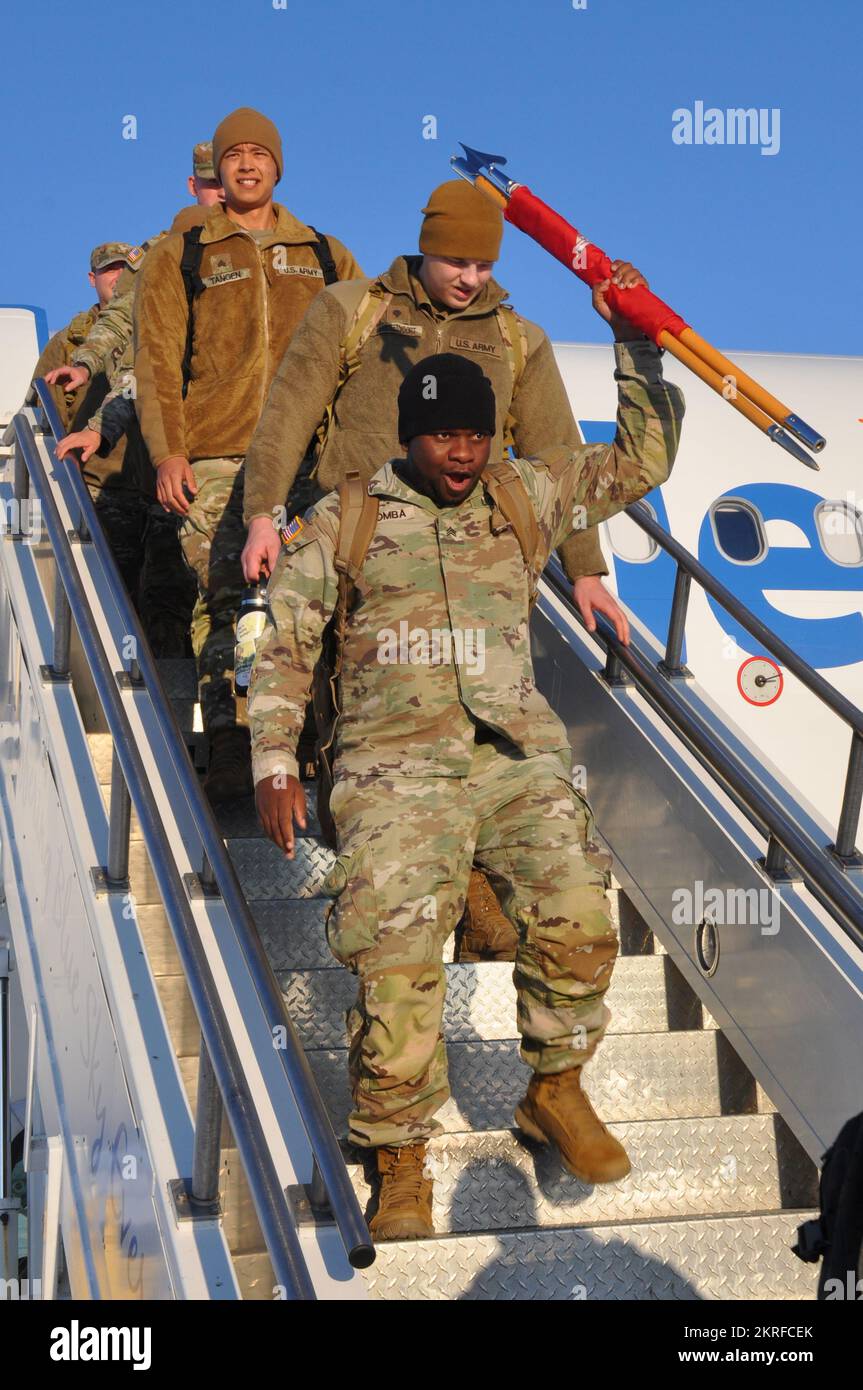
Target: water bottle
(251, 621)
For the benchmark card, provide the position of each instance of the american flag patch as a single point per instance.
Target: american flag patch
(135, 255)
(292, 530)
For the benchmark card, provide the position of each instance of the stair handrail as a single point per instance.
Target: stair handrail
(330, 1174)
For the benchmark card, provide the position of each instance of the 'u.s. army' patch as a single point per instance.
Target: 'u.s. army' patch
(292, 530)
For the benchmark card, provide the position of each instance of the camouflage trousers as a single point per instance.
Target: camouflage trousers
(145, 544)
(406, 849)
(212, 535)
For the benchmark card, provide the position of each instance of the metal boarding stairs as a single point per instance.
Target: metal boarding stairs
(164, 962)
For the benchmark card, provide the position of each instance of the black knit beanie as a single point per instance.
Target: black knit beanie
(445, 392)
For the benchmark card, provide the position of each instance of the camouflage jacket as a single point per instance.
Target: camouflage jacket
(437, 638)
(90, 406)
(364, 431)
(111, 335)
(116, 414)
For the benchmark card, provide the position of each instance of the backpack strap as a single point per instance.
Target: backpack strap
(364, 320)
(513, 507)
(190, 269)
(322, 250)
(358, 520)
(514, 337)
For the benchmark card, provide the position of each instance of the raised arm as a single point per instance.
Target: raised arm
(595, 481)
(543, 419)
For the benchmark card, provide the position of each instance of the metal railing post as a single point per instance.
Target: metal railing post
(775, 860)
(677, 625)
(208, 878)
(20, 476)
(318, 1196)
(62, 630)
(119, 826)
(208, 1131)
(849, 819)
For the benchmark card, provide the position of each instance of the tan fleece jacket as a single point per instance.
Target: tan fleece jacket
(364, 433)
(255, 293)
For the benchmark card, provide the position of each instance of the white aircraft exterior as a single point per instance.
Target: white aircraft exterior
(786, 540)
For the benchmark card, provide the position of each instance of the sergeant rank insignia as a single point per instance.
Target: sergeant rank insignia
(292, 530)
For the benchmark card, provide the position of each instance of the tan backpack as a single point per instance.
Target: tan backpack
(357, 524)
(365, 319)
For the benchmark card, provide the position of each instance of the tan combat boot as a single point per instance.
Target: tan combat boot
(230, 771)
(405, 1197)
(556, 1108)
(486, 934)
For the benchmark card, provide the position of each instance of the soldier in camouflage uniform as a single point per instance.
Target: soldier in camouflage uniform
(443, 299)
(449, 753)
(260, 268)
(118, 475)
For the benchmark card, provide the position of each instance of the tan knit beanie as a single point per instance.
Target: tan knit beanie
(246, 124)
(461, 222)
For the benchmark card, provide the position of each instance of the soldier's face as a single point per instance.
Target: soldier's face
(454, 282)
(248, 174)
(448, 465)
(104, 280)
(206, 192)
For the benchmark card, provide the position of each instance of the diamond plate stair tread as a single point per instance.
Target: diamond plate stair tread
(264, 872)
(480, 1003)
(648, 1076)
(746, 1257)
(498, 1180)
(239, 819)
(179, 677)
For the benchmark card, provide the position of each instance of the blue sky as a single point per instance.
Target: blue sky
(756, 251)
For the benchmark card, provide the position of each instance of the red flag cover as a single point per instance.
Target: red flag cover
(642, 308)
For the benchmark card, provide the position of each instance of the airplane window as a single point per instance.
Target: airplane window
(840, 531)
(628, 540)
(739, 531)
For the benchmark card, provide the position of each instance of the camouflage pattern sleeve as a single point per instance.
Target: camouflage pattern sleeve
(583, 486)
(117, 411)
(544, 420)
(301, 596)
(108, 339)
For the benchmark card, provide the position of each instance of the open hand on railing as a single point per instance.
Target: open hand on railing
(87, 441)
(591, 596)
